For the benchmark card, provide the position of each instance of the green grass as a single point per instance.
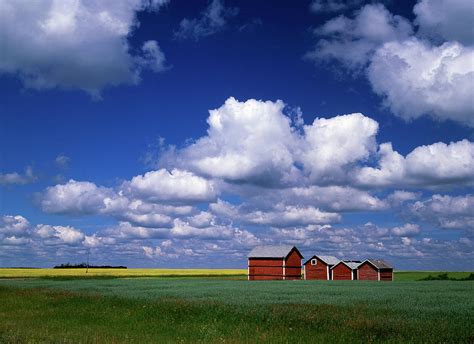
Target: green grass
(213, 310)
(420, 275)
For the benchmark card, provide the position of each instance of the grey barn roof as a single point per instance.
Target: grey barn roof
(329, 260)
(280, 251)
(351, 265)
(379, 263)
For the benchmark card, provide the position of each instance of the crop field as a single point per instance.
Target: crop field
(28, 273)
(219, 309)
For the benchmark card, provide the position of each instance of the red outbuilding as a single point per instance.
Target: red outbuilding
(375, 270)
(319, 267)
(345, 270)
(274, 263)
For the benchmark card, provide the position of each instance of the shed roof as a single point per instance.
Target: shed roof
(329, 260)
(350, 265)
(281, 251)
(379, 263)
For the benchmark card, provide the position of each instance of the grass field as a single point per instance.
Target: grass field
(144, 310)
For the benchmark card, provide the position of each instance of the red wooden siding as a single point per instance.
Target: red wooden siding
(341, 272)
(386, 275)
(270, 268)
(368, 272)
(316, 272)
(275, 268)
(266, 262)
(293, 266)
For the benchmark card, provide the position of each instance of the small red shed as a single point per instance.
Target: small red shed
(375, 270)
(345, 270)
(319, 267)
(274, 263)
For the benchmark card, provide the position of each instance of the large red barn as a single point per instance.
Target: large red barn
(319, 267)
(375, 270)
(274, 263)
(345, 271)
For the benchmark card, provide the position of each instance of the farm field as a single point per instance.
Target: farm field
(220, 310)
(28, 273)
(231, 273)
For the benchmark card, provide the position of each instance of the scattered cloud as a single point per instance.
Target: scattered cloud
(329, 6)
(15, 178)
(62, 161)
(445, 211)
(212, 20)
(75, 44)
(260, 175)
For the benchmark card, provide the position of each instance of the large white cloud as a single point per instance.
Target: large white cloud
(65, 234)
(251, 141)
(255, 142)
(75, 43)
(82, 198)
(352, 41)
(415, 77)
(175, 186)
(13, 225)
(432, 165)
(332, 144)
(77, 197)
(449, 20)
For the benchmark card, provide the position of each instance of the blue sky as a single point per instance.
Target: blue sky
(164, 133)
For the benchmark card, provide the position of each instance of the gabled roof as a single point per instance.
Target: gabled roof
(281, 251)
(378, 263)
(350, 265)
(329, 260)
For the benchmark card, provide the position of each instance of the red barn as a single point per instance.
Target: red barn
(274, 263)
(345, 271)
(319, 267)
(375, 270)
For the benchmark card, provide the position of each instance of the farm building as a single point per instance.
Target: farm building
(274, 263)
(345, 270)
(319, 267)
(375, 270)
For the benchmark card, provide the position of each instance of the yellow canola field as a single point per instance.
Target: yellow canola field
(22, 273)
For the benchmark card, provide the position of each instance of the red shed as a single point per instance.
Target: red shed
(345, 270)
(274, 263)
(319, 267)
(375, 270)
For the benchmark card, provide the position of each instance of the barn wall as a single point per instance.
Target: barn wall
(341, 272)
(293, 266)
(265, 262)
(316, 272)
(386, 275)
(368, 272)
(265, 269)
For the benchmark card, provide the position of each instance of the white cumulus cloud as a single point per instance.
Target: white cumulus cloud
(74, 43)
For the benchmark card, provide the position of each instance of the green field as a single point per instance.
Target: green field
(145, 310)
